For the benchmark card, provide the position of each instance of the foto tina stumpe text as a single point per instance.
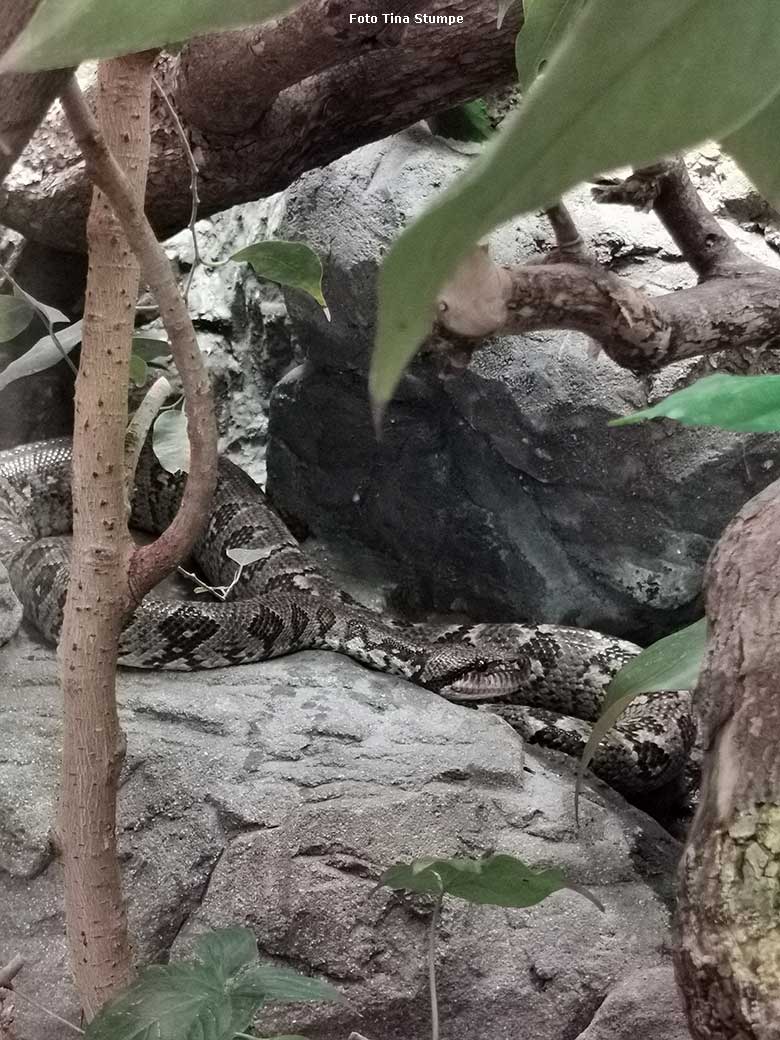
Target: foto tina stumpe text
(406, 19)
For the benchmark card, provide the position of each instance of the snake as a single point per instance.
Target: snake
(547, 681)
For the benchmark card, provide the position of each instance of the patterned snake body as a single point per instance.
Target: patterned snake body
(538, 677)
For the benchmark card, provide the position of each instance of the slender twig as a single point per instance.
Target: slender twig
(149, 564)
(10, 971)
(568, 240)
(40, 1007)
(179, 127)
(139, 426)
(432, 928)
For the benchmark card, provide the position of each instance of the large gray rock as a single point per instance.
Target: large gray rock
(272, 796)
(503, 494)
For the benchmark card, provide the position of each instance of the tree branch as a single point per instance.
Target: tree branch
(151, 563)
(365, 97)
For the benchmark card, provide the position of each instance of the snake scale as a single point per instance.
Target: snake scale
(546, 680)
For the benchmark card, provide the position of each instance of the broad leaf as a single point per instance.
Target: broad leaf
(637, 80)
(498, 880)
(15, 316)
(173, 1002)
(756, 147)
(138, 370)
(151, 348)
(62, 33)
(672, 663)
(747, 403)
(51, 314)
(264, 981)
(468, 122)
(43, 355)
(544, 25)
(225, 951)
(170, 442)
(288, 263)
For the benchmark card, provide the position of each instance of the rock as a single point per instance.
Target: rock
(272, 796)
(645, 1003)
(502, 494)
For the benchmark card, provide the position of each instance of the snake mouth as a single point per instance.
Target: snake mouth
(493, 681)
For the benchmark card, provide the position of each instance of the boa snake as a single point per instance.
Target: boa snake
(544, 679)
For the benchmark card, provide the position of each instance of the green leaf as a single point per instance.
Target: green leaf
(747, 403)
(138, 370)
(265, 981)
(62, 33)
(288, 263)
(545, 23)
(672, 663)
(51, 314)
(638, 79)
(468, 122)
(225, 951)
(150, 347)
(170, 442)
(44, 354)
(173, 1002)
(498, 880)
(15, 316)
(756, 147)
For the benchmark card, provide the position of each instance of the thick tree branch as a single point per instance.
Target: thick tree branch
(370, 94)
(727, 958)
(26, 97)
(152, 562)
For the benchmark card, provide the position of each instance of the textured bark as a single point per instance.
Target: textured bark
(98, 594)
(25, 97)
(372, 90)
(734, 306)
(728, 956)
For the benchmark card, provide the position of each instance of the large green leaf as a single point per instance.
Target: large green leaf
(747, 403)
(288, 263)
(15, 316)
(543, 27)
(62, 33)
(637, 80)
(211, 998)
(756, 147)
(672, 663)
(499, 880)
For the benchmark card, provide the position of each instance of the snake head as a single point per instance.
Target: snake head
(462, 674)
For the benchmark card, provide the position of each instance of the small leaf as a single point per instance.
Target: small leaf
(265, 981)
(504, 7)
(63, 33)
(671, 663)
(468, 122)
(170, 442)
(150, 348)
(138, 370)
(545, 23)
(43, 355)
(15, 316)
(243, 557)
(288, 263)
(746, 403)
(499, 880)
(225, 950)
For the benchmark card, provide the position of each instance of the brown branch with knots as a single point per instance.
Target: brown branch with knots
(734, 305)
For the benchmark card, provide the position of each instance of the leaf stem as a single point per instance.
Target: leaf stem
(432, 966)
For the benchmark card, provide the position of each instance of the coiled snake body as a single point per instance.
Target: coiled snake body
(544, 679)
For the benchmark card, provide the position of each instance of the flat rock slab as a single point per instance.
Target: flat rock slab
(273, 795)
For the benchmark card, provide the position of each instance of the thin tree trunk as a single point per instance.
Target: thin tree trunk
(98, 597)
